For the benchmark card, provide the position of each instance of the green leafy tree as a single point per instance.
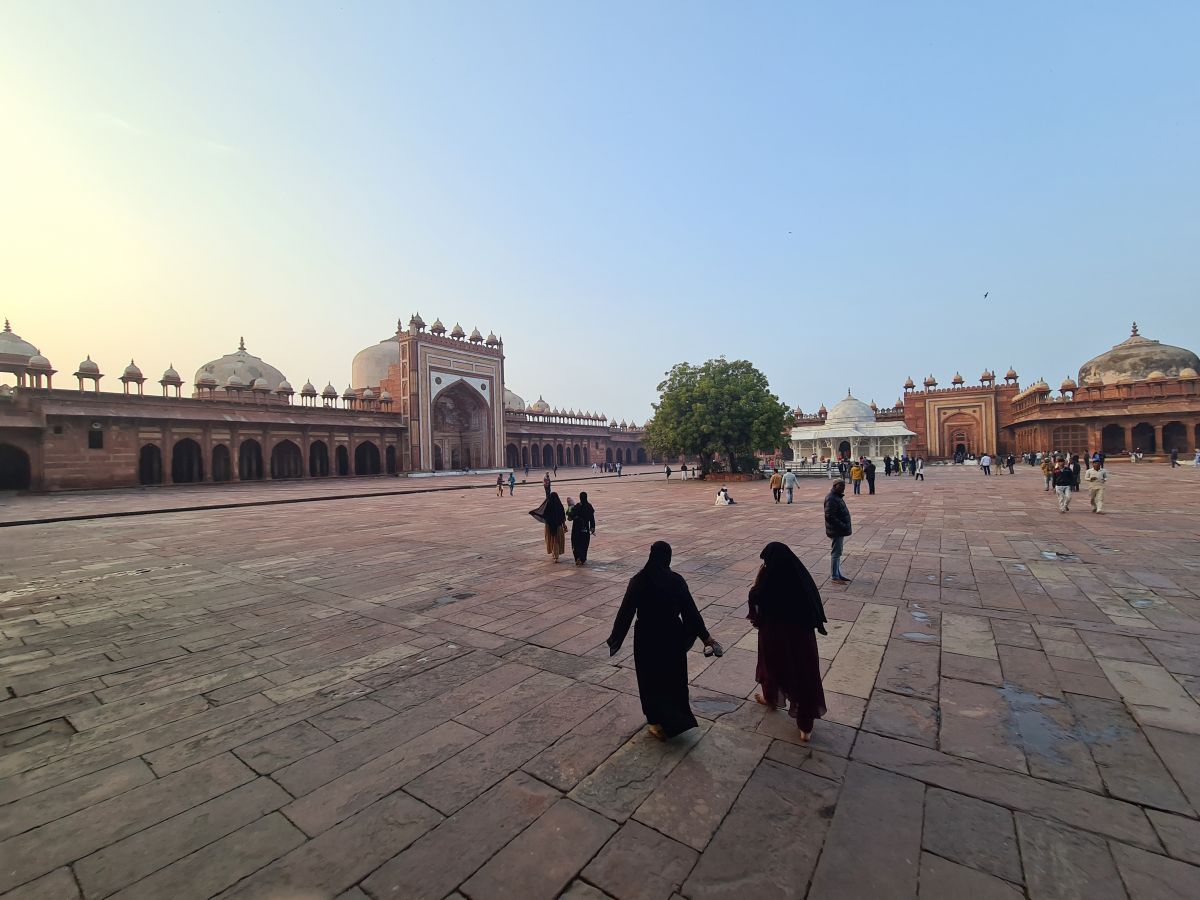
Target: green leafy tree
(720, 409)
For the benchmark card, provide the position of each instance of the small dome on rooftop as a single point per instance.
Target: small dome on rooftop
(170, 376)
(88, 367)
(309, 390)
(37, 361)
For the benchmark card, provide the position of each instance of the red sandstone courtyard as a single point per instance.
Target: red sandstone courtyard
(398, 696)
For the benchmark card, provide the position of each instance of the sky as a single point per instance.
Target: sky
(827, 190)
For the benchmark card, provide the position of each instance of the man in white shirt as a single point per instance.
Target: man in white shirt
(985, 463)
(1095, 478)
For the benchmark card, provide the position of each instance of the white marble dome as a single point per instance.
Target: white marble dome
(850, 411)
(241, 365)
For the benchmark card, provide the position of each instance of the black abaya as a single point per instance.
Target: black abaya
(583, 525)
(668, 623)
(786, 608)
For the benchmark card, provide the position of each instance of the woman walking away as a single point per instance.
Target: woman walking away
(668, 623)
(500, 485)
(552, 515)
(785, 607)
(583, 526)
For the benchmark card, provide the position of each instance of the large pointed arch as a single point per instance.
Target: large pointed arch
(461, 426)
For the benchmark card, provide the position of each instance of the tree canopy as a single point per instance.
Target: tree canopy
(719, 409)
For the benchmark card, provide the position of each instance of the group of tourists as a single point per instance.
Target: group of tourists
(783, 604)
(904, 465)
(1064, 475)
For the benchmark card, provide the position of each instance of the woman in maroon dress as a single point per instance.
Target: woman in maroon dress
(785, 607)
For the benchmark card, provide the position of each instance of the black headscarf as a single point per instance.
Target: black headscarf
(551, 512)
(785, 591)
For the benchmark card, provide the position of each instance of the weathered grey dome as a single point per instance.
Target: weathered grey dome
(1137, 358)
(89, 367)
(245, 366)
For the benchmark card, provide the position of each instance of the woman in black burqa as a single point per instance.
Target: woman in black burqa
(552, 515)
(668, 623)
(785, 607)
(583, 526)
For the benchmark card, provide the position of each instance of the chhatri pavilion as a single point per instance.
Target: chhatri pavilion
(850, 430)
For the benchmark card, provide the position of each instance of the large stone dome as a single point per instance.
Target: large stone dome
(370, 366)
(1135, 359)
(850, 411)
(513, 402)
(243, 365)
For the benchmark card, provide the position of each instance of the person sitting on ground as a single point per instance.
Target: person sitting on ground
(723, 498)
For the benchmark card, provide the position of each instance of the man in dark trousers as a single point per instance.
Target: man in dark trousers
(837, 528)
(546, 483)
(869, 474)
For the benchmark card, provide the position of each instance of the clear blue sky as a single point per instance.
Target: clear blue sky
(825, 189)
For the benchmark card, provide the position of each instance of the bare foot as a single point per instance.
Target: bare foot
(759, 698)
(805, 736)
(656, 731)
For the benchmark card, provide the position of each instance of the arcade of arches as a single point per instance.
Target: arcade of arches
(537, 454)
(187, 465)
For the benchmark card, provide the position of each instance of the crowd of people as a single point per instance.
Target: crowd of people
(783, 603)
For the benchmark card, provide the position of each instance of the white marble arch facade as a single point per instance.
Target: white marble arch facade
(873, 441)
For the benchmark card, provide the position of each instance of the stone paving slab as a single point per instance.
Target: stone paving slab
(399, 696)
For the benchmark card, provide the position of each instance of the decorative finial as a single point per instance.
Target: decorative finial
(241, 343)
(1135, 331)
(847, 392)
(7, 327)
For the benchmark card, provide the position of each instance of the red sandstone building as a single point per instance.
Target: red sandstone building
(422, 402)
(1140, 395)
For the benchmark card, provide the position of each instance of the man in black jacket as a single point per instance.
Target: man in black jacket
(837, 527)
